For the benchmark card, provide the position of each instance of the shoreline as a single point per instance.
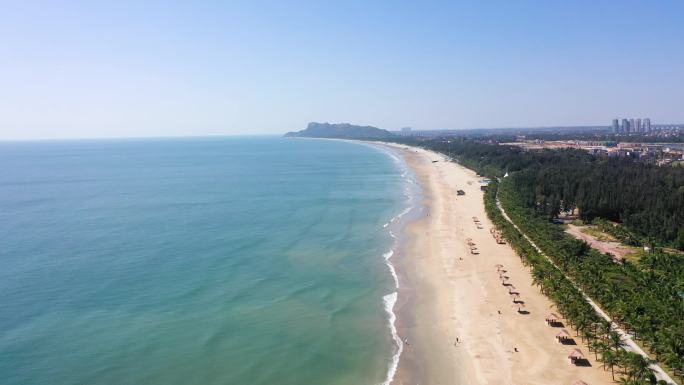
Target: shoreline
(459, 321)
(412, 211)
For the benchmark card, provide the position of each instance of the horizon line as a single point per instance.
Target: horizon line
(223, 135)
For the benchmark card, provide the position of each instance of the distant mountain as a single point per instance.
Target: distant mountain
(340, 131)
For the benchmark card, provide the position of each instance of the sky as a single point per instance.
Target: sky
(71, 69)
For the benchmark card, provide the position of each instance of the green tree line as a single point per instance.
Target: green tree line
(648, 200)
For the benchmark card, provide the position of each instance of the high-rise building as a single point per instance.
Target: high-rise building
(638, 127)
(647, 125)
(625, 126)
(632, 126)
(616, 126)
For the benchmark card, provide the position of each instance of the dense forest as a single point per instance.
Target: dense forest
(648, 200)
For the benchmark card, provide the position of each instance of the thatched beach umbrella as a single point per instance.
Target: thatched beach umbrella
(563, 335)
(552, 318)
(576, 356)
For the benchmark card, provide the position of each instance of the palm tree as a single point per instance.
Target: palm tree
(599, 346)
(610, 359)
(626, 381)
(638, 367)
(615, 340)
(538, 276)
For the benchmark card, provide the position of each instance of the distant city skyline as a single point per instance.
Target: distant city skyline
(139, 69)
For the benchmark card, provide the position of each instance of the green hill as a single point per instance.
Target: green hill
(340, 131)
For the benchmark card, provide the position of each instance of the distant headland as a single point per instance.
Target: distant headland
(340, 131)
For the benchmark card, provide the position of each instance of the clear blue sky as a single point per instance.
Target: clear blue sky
(164, 68)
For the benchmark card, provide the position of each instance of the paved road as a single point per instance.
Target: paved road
(630, 345)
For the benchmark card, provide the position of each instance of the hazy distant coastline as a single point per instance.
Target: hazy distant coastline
(340, 131)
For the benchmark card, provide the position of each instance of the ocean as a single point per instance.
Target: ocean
(244, 260)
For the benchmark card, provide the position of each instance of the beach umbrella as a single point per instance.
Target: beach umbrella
(498, 265)
(518, 306)
(563, 335)
(576, 354)
(552, 318)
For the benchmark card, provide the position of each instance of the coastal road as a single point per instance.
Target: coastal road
(630, 344)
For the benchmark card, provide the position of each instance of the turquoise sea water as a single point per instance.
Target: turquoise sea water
(195, 261)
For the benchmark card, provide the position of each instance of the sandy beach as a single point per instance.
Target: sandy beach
(460, 323)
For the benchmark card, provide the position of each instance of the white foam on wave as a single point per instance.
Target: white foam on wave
(401, 214)
(390, 300)
(387, 257)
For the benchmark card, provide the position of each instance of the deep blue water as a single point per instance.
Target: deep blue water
(195, 261)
